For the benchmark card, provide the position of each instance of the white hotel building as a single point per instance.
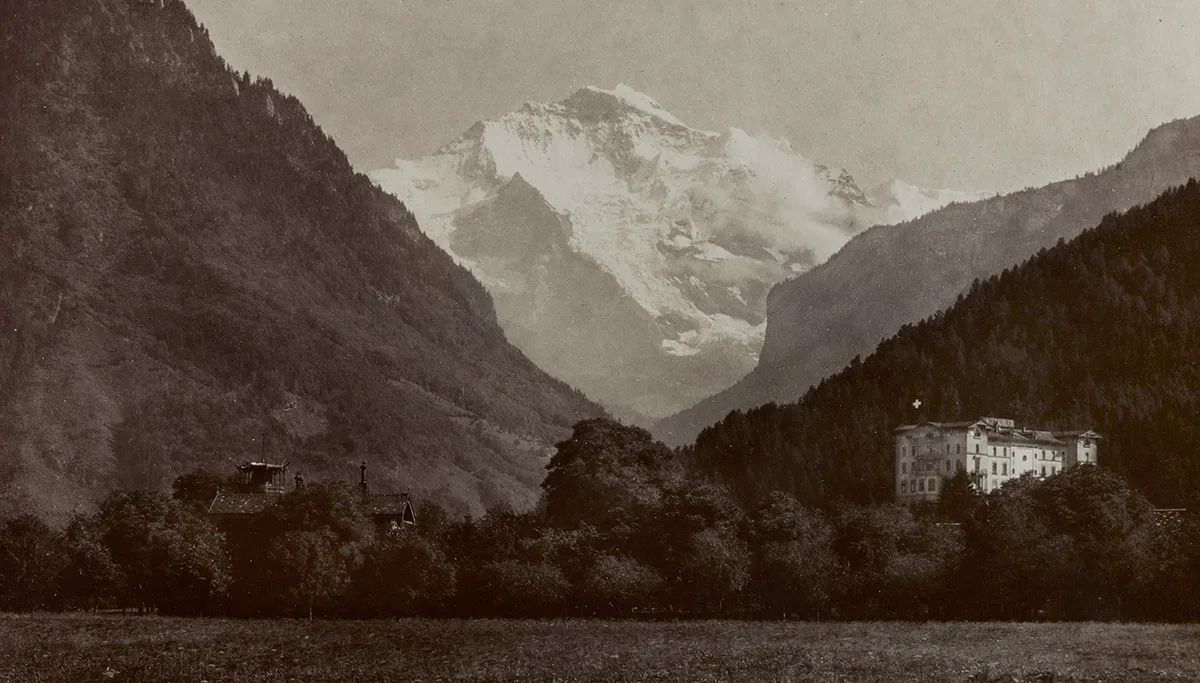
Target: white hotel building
(991, 450)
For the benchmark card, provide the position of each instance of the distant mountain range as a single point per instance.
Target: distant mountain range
(192, 273)
(628, 253)
(893, 275)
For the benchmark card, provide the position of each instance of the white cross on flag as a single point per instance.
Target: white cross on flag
(917, 404)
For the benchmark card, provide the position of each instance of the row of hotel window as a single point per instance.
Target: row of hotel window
(918, 485)
(957, 466)
(1054, 455)
(932, 466)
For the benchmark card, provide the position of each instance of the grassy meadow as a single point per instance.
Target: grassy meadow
(77, 647)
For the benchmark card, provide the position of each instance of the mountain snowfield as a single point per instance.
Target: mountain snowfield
(628, 253)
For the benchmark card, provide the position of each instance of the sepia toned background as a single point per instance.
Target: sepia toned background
(993, 95)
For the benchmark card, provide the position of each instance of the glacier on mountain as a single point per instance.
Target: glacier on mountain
(628, 253)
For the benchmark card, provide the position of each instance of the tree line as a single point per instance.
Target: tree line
(626, 527)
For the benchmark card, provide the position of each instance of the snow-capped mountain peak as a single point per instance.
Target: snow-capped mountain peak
(632, 98)
(627, 252)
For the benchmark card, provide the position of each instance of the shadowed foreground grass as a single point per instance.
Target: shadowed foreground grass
(127, 648)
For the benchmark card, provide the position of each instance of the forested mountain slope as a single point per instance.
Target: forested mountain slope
(1102, 332)
(893, 275)
(193, 273)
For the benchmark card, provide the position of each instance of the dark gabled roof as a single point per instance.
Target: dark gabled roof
(227, 503)
(385, 504)
(965, 423)
(390, 505)
(1011, 436)
(939, 425)
(248, 504)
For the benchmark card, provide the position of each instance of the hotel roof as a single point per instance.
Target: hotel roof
(1006, 433)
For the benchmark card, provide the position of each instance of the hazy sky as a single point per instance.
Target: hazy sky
(966, 94)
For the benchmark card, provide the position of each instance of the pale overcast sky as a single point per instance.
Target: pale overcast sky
(964, 94)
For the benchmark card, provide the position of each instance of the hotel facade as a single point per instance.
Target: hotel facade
(991, 451)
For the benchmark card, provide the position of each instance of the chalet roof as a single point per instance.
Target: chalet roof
(226, 503)
(386, 504)
(375, 505)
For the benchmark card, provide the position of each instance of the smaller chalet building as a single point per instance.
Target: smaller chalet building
(991, 450)
(262, 484)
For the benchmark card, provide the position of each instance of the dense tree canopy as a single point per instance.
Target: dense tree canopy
(605, 471)
(298, 556)
(166, 555)
(1081, 544)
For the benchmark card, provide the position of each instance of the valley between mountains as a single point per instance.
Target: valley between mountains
(628, 253)
(195, 273)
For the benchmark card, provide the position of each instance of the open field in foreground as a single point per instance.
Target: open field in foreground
(127, 648)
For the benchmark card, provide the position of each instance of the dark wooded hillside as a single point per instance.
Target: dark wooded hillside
(1102, 332)
(193, 272)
